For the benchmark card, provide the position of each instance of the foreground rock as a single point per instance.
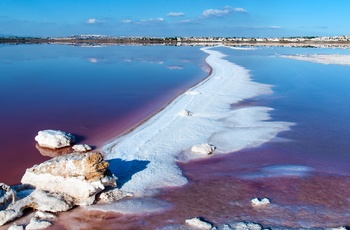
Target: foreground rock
(54, 139)
(57, 185)
(28, 197)
(80, 176)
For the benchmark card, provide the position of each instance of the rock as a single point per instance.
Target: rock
(38, 200)
(81, 148)
(7, 196)
(262, 202)
(36, 223)
(16, 227)
(186, 113)
(80, 176)
(114, 195)
(198, 223)
(54, 139)
(240, 226)
(44, 215)
(203, 148)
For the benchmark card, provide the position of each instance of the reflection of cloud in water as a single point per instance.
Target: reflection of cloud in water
(173, 67)
(280, 171)
(93, 60)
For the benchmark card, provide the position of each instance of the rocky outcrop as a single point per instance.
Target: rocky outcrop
(58, 185)
(80, 176)
(203, 148)
(28, 197)
(54, 139)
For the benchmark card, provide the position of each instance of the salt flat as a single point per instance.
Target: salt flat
(146, 157)
(337, 59)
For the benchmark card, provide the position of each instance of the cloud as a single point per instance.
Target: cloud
(153, 20)
(127, 21)
(175, 14)
(262, 27)
(227, 10)
(93, 21)
(240, 10)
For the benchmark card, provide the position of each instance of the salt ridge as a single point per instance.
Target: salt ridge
(158, 143)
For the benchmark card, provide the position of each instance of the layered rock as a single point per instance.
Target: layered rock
(54, 139)
(80, 176)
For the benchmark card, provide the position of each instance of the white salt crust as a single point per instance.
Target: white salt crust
(336, 59)
(159, 142)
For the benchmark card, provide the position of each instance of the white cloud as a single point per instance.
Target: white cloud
(240, 10)
(93, 21)
(126, 21)
(153, 20)
(175, 14)
(227, 10)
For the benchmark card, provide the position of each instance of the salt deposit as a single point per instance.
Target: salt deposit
(199, 224)
(260, 202)
(336, 59)
(81, 148)
(54, 139)
(161, 139)
(203, 148)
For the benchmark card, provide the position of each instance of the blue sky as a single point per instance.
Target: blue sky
(231, 18)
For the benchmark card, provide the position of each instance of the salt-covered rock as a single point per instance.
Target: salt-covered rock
(38, 200)
(54, 139)
(198, 223)
(203, 148)
(240, 226)
(114, 195)
(80, 176)
(44, 215)
(36, 223)
(258, 202)
(16, 227)
(81, 148)
(7, 196)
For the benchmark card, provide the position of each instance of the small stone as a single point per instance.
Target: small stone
(114, 195)
(262, 202)
(54, 139)
(82, 148)
(186, 113)
(203, 148)
(16, 227)
(198, 223)
(44, 215)
(36, 223)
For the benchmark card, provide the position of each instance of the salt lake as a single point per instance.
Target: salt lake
(99, 93)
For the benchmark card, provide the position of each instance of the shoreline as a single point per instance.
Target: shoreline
(151, 159)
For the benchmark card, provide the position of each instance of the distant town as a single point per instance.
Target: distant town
(101, 40)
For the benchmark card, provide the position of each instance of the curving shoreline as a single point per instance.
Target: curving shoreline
(148, 154)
